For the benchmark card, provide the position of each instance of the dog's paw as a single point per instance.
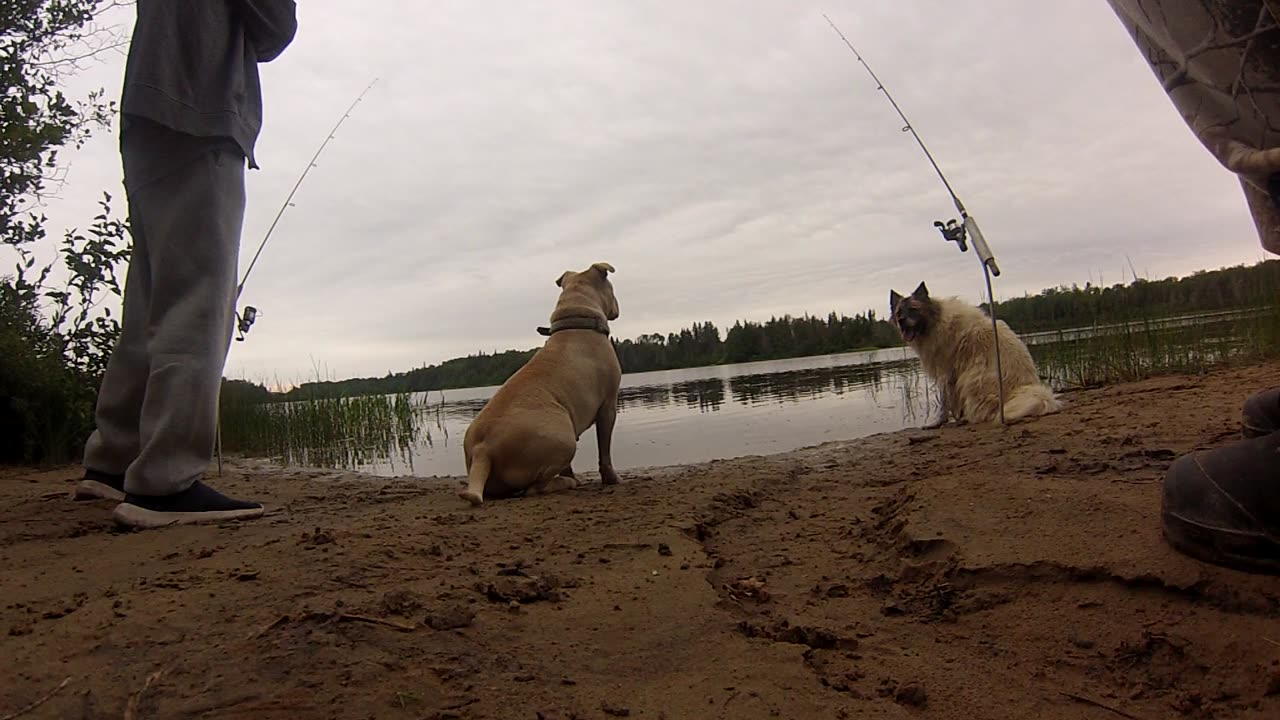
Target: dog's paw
(608, 477)
(934, 424)
(475, 499)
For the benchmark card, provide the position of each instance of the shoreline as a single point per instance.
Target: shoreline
(984, 571)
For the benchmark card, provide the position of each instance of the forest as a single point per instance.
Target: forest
(1233, 288)
(701, 344)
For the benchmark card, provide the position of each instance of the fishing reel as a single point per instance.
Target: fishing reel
(244, 321)
(954, 232)
(961, 232)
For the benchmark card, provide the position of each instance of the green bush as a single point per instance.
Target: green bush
(46, 407)
(55, 343)
(55, 337)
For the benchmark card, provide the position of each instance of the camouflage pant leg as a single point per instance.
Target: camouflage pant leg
(1219, 61)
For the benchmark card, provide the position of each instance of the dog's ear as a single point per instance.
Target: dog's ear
(603, 268)
(894, 300)
(921, 292)
(560, 280)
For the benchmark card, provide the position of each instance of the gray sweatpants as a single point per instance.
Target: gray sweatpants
(157, 408)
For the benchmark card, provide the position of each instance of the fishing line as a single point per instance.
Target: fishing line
(245, 319)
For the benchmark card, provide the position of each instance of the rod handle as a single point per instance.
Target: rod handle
(980, 245)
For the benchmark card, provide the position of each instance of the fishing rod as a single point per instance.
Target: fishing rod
(960, 232)
(245, 319)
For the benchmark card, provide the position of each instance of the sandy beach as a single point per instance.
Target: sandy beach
(978, 572)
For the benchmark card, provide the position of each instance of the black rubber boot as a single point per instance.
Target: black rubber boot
(197, 504)
(1261, 414)
(1222, 506)
(99, 486)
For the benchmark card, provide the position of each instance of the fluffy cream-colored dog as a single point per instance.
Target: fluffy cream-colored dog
(957, 351)
(525, 437)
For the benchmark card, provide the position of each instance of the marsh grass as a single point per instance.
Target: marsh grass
(349, 432)
(1146, 347)
(912, 391)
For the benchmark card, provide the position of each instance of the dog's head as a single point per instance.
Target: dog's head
(914, 315)
(590, 287)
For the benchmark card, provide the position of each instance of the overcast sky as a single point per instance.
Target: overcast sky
(731, 159)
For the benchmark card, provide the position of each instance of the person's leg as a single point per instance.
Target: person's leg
(1223, 505)
(192, 218)
(114, 444)
(1218, 62)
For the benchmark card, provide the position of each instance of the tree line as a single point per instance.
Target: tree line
(1233, 288)
(696, 346)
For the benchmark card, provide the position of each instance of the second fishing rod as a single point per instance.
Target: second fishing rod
(960, 232)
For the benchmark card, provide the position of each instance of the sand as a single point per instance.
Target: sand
(970, 572)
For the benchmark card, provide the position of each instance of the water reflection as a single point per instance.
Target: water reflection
(681, 416)
(643, 396)
(684, 416)
(707, 394)
(797, 385)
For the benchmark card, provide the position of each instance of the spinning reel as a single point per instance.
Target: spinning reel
(953, 231)
(961, 232)
(245, 321)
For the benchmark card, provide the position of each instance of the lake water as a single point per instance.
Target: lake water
(689, 416)
(699, 414)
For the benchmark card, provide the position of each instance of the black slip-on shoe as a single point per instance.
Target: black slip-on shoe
(197, 504)
(99, 486)
(1261, 414)
(1222, 506)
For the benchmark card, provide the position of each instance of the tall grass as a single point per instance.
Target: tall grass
(917, 395)
(1146, 347)
(345, 432)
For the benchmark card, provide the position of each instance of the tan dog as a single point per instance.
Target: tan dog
(525, 437)
(957, 350)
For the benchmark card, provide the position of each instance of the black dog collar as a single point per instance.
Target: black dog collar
(576, 323)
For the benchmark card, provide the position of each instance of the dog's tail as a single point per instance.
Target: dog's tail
(477, 476)
(1030, 400)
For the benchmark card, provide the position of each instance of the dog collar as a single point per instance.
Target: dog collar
(576, 323)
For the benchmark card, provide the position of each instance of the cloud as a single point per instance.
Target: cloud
(732, 160)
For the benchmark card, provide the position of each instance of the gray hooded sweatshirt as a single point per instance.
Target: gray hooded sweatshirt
(193, 65)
